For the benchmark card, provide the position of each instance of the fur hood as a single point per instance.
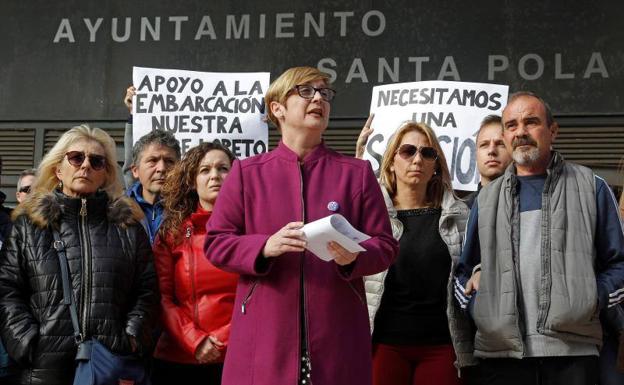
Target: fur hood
(45, 209)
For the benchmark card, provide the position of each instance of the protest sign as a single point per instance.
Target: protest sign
(453, 109)
(203, 106)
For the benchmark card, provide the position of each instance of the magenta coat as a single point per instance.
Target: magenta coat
(260, 196)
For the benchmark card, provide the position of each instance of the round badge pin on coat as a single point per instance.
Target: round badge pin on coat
(333, 206)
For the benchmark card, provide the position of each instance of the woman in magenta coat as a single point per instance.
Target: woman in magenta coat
(298, 319)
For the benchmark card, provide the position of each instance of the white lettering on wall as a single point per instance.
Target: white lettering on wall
(92, 28)
(178, 20)
(64, 31)
(449, 70)
(384, 68)
(205, 28)
(319, 26)
(323, 66)
(539, 63)
(596, 65)
(356, 71)
(281, 23)
(559, 71)
(343, 21)
(497, 63)
(242, 29)
(418, 62)
(381, 20)
(154, 29)
(115, 30)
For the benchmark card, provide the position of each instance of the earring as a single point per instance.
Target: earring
(60, 185)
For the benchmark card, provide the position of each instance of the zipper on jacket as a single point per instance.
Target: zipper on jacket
(86, 265)
(192, 268)
(514, 233)
(83, 207)
(546, 280)
(357, 293)
(304, 313)
(248, 297)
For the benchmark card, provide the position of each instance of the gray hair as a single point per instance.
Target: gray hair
(549, 116)
(161, 137)
(27, 172)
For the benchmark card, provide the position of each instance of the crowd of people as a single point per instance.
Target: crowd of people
(197, 265)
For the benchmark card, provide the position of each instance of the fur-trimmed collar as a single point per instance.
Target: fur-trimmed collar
(45, 209)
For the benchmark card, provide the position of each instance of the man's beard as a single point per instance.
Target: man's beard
(525, 157)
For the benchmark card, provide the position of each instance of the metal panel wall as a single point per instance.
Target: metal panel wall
(597, 142)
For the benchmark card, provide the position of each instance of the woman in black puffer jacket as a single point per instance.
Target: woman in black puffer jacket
(78, 193)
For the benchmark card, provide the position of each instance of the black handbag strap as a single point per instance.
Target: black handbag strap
(59, 246)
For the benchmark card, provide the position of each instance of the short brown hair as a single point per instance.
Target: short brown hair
(441, 180)
(488, 120)
(281, 87)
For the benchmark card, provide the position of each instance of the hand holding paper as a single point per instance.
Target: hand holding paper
(341, 255)
(289, 238)
(333, 237)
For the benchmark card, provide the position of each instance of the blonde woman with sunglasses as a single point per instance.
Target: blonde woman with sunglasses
(76, 197)
(412, 341)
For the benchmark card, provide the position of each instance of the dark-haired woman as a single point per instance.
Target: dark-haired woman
(196, 297)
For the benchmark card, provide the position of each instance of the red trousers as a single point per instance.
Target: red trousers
(414, 365)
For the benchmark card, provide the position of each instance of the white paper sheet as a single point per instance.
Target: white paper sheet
(332, 228)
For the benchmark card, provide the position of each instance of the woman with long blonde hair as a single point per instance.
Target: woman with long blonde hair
(412, 343)
(77, 197)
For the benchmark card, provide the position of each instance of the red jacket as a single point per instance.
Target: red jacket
(196, 298)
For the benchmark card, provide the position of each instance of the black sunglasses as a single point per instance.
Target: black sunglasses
(306, 91)
(24, 189)
(408, 151)
(77, 158)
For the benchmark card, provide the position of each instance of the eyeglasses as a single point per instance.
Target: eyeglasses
(24, 189)
(77, 158)
(408, 151)
(306, 91)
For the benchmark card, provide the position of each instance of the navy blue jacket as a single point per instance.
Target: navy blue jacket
(154, 214)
